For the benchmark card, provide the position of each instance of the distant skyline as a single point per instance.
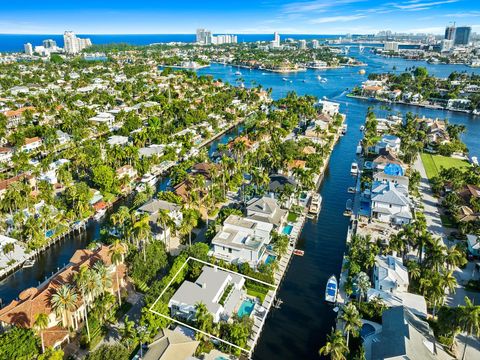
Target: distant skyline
(242, 17)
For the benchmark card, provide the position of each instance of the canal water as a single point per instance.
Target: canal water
(299, 328)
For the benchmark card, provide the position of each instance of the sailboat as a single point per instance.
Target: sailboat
(331, 289)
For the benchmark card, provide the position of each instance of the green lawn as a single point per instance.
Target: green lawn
(433, 163)
(292, 217)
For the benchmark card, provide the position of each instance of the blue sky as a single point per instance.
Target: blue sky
(240, 16)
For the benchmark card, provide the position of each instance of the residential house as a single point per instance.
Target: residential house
(386, 177)
(15, 117)
(413, 302)
(381, 161)
(329, 108)
(219, 290)
(172, 344)
(469, 192)
(389, 274)
(266, 209)
(31, 144)
(152, 208)
(390, 203)
(103, 118)
(126, 170)
(404, 336)
(6, 154)
(62, 137)
(242, 240)
(34, 301)
(117, 140)
(388, 143)
(154, 149)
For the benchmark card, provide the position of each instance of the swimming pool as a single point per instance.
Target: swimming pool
(366, 330)
(246, 308)
(287, 229)
(270, 259)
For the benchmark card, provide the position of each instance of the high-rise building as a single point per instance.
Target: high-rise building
(450, 33)
(390, 46)
(73, 44)
(28, 49)
(462, 35)
(315, 44)
(204, 36)
(276, 39)
(302, 44)
(447, 45)
(49, 44)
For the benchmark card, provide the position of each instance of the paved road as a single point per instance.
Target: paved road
(434, 225)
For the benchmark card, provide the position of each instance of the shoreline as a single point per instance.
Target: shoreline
(425, 106)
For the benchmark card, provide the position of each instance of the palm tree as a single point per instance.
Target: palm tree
(117, 251)
(469, 320)
(103, 275)
(82, 277)
(64, 302)
(352, 319)
(363, 284)
(41, 323)
(143, 232)
(7, 249)
(335, 346)
(165, 221)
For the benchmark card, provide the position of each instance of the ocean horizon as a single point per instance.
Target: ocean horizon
(15, 42)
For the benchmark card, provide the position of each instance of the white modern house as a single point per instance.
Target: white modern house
(389, 274)
(103, 118)
(390, 203)
(388, 143)
(242, 240)
(329, 107)
(219, 290)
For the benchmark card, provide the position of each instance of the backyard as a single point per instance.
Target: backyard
(433, 163)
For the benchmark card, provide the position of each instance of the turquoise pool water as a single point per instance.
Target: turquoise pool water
(270, 258)
(246, 308)
(287, 229)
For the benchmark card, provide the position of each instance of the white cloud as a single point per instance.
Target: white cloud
(315, 6)
(421, 5)
(332, 19)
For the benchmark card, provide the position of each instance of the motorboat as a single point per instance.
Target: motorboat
(238, 73)
(359, 149)
(344, 129)
(362, 128)
(284, 79)
(348, 208)
(298, 252)
(352, 190)
(28, 263)
(331, 290)
(315, 204)
(354, 168)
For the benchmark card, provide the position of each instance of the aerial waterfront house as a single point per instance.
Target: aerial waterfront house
(329, 107)
(34, 301)
(388, 143)
(389, 274)
(266, 209)
(390, 203)
(117, 140)
(242, 240)
(404, 336)
(103, 118)
(219, 290)
(6, 154)
(153, 206)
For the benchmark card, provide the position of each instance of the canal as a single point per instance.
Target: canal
(299, 328)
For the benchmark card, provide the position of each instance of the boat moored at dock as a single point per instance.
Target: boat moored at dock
(331, 290)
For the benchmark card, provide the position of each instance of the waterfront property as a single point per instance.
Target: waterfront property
(473, 244)
(221, 292)
(389, 274)
(390, 203)
(403, 336)
(34, 301)
(268, 210)
(169, 344)
(242, 240)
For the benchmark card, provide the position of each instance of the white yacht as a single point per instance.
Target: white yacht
(331, 290)
(354, 168)
(315, 204)
(238, 73)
